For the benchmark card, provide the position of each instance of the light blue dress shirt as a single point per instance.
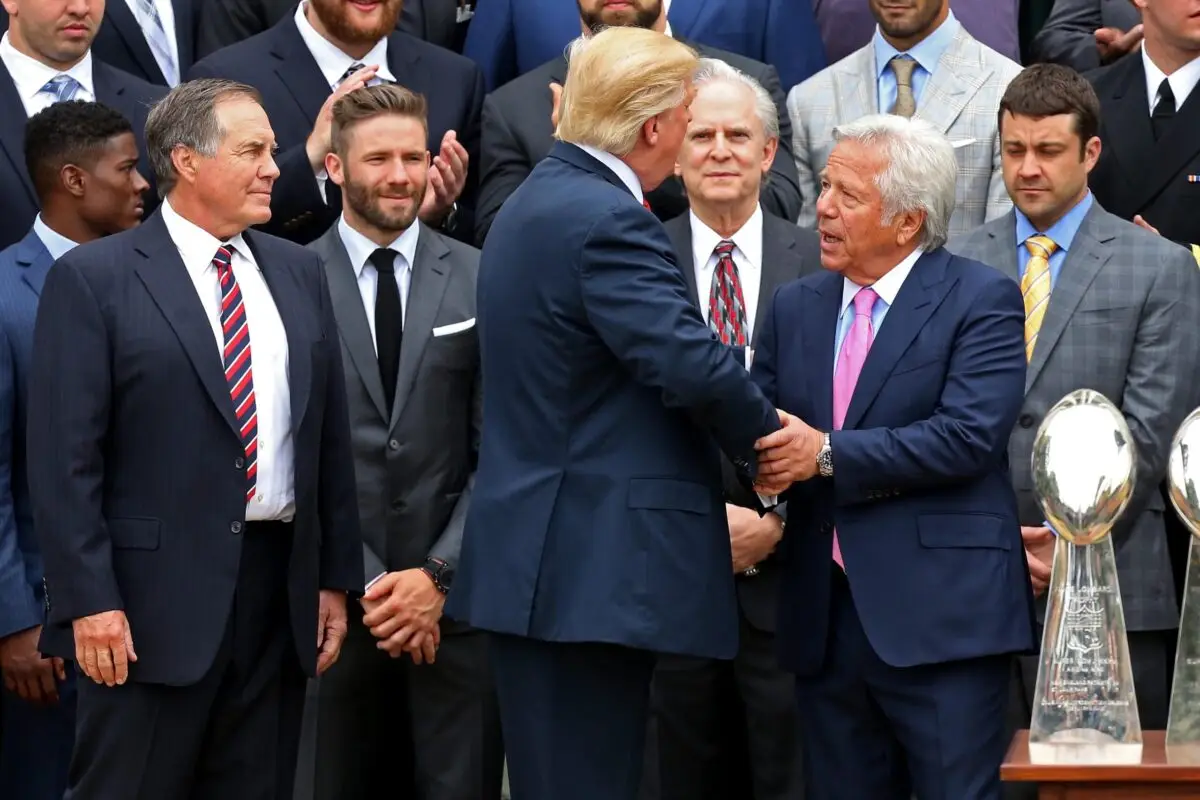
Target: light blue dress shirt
(1062, 233)
(56, 244)
(926, 53)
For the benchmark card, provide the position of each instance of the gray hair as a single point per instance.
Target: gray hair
(921, 172)
(187, 117)
(712, 70)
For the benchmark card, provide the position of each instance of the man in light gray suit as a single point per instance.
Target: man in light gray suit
(1110, 307)
(404, 300)
(1088, 34)
(920, 63)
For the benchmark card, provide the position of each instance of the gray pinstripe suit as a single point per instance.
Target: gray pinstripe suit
(1122, 321)
(961, 99)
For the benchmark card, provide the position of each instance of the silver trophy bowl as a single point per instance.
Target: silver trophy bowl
(1183, 472)
(1084, 466)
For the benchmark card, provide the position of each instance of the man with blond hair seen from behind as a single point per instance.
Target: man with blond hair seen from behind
(596, 535)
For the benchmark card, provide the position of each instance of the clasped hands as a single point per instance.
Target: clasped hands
(786, 456)
(404, 610)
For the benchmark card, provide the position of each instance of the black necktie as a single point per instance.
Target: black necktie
(1164, 110)
(350, 70)
(389, 321)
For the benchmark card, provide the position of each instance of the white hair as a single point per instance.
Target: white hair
(921, 172)
(712, 70)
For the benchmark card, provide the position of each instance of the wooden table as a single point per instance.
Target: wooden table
(1160, 775)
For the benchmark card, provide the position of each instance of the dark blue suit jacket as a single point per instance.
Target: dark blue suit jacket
(18, 203)
(508, 38)
(23, 269)
(598, 513)
(135, 465)
(921, 494)
(280, 66)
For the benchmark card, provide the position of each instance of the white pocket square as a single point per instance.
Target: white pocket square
(455, 327)
(957, 143)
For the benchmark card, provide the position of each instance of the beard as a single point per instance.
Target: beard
(364, 200)
(643, 14)
(337, 21)
(926, 12)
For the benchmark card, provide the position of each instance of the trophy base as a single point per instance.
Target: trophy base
(1183, 724)
(1084, 746)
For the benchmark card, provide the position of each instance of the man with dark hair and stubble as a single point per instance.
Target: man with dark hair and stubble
(1083, 271)
(83, 159)
(190, 472)
(404, 299)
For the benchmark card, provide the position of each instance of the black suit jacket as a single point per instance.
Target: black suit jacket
(135, 457)
(121, 43)
(280, 66)
(789, 253)
(517, 134)
(227, 22)
(1136, 174)
(18, 203)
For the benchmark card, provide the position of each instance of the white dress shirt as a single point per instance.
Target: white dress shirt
(359, 248)
(747, 257)
(56, 244)
(275, 489)
(622, 170)
(1182, 81)
(666, 11)
(166, 15)
(30, 76)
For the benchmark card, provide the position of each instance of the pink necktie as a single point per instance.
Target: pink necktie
(854, 351)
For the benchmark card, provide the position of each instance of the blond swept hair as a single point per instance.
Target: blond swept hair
(616, 81)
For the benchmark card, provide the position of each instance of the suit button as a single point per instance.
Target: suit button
(394, 445)
(239, 463)
(1025, 421)
(235, 527)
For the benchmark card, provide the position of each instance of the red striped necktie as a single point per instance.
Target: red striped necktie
(239, 374)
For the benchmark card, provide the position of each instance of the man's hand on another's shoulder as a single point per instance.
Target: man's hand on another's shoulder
(787, 455)
(104, 647)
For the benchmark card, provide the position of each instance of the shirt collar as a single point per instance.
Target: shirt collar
(886, 287)
(359, 248)
(622, 170)
(30, 76)
(56, 244)
(1182, 80)
(332, 62)
(926, 52)
(1062, 233)
(196, 246)
(748, 239)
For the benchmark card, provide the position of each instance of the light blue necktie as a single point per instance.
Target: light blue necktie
(62, 88)
(157, 38)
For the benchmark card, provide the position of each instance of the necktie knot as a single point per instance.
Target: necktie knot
(1040, 246)
(724, 249)
(63, 87)
(224, 257)
(864, 302)
(384, 260)
(902, 67)
(1166, 98)
(350, 70)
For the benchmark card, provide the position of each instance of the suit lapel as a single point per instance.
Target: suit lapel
(680, 232)
(430, 276)
(854, 86)
(916, 301)
(953, 83)
(290, 305)
(780, 264)
(35, 259)
(184, 24)
(1000, 251)
(12, 131)
(1127, 127)
(109, 85)
(683, 15)
(823, 301)
(121, 17)
(165, 277)
(352, 316)
(1089, 252)
(298, 70)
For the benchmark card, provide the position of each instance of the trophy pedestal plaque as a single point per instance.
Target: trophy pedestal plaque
(1084, 469)
(1084, 706)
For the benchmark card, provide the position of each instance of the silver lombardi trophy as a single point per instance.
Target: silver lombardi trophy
(1084, 706)
(1183, 478)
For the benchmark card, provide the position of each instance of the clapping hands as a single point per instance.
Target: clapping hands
(786, 456)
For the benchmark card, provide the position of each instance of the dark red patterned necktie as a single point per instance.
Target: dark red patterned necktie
(726, 306)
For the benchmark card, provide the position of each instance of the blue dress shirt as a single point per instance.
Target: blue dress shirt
(1062, 233)
(926, 53)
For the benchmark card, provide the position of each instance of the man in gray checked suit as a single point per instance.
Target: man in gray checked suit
(404, 300)
(920, 63)
(1110, 307)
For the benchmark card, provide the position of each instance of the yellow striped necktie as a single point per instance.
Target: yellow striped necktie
(1035, 287)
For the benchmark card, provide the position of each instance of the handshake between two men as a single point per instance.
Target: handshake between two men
(786, 456)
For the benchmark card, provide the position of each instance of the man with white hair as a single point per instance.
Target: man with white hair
(596, 534)
(906, 590)
(728, 247)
